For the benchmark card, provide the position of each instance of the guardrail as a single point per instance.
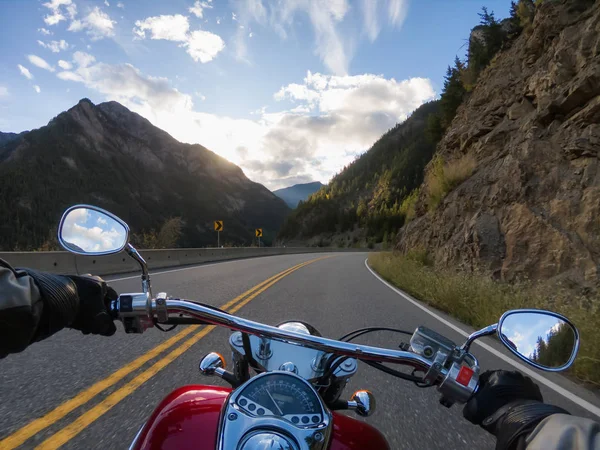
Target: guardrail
(65, 262)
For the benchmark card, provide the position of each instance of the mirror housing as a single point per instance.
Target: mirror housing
(543, 339)
(89, 230)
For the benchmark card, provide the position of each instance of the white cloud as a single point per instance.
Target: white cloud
(39, 62)
(36, 88)
(324, 17)
(170, 28)
(58, 8)
(55, 46)
(3, 91)
(65, 65)
(201, 45)
(204, 46)
(125, 83)
(97, 24)
(25, 72)
(45, 32)
(370, 18)
(248, 11)
(83, 59)
(120, 5)
(398, 9)
(198, 8)
(200, 95)
(54, 18)
(106, 3)
(333, 44)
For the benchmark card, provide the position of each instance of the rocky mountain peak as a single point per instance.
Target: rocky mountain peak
(112, 157)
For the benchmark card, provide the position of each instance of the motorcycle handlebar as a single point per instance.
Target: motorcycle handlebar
(139, 312)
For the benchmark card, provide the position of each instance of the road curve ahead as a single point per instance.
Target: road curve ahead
(73, 391)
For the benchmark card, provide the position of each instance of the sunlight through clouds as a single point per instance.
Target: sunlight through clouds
(327, 122)
(312, 127)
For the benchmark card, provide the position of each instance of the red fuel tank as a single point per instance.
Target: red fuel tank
(188, 419)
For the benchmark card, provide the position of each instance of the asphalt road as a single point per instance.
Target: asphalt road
(336, 295)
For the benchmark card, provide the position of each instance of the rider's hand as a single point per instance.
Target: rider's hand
(508, 405)
(94, 303)
(79, 302)
(497, 389)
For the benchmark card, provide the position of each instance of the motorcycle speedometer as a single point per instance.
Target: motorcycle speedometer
(281, 395)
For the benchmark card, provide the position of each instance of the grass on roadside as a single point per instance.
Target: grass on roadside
(479, 301)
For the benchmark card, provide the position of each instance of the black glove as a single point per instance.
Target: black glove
(94, 303)
(79, 302)
(508, 405)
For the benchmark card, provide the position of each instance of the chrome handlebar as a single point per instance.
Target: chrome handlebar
(139, 312)
(140, 306)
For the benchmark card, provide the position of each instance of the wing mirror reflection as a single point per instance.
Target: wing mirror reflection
(88, 230)
(544, 339)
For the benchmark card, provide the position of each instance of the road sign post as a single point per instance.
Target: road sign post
(258, 232)
(218, 229)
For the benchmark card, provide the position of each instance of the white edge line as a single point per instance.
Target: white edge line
(555, 387)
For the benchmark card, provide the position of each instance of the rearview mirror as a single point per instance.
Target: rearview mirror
(544, 339)
(88, 230)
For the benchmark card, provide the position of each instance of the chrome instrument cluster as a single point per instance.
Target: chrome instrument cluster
(275, 408)
(269, 355)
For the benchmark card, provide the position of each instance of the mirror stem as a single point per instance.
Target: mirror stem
(146, 286)
(487, 331)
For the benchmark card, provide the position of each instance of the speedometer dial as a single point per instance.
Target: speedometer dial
(281, 395)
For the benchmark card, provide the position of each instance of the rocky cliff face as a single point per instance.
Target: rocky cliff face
(532, 206)
(109, 156)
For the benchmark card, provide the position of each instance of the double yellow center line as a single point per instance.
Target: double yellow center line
(70, 431)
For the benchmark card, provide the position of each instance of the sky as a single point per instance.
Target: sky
(290, 90)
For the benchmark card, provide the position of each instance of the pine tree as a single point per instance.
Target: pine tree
(453, 92)
(515, 22)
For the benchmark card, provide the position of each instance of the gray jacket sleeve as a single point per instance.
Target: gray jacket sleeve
(565, 432)
(20, 310)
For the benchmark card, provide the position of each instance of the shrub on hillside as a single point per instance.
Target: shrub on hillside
(442, 178)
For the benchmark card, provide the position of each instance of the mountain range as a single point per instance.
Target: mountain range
(298, 192)
(109, 156)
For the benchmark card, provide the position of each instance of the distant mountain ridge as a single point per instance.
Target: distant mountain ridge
(108, 156)
(368, 198)
(298, 192)
(5, 138)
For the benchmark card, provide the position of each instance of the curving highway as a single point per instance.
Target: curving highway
(73, 391)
